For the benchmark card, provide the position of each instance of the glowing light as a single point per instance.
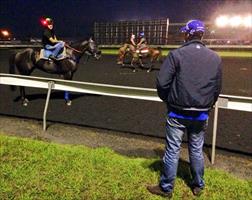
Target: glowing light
(222, 21)
(247, 21)
(235, 21)
(43, 22)
(5, 33)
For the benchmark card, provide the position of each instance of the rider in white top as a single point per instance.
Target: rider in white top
(132, 43)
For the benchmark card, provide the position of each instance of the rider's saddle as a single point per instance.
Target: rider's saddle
(45, 53)
(144, 50)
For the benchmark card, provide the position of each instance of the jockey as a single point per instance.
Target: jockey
(132, 43)
(143, 42)
(50, 41)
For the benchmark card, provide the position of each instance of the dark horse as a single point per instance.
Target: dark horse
(137, 56)
(25, 62)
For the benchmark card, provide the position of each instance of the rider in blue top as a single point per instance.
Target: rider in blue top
(143, 42)
(50, 41)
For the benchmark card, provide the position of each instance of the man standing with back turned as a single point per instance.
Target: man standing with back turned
(189, 82)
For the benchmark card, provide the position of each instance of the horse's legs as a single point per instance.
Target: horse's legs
(141, 63)
(121, 54)
(68, 101)
(133, 61)
(67, 98)
(87, 58)
(154, 58)
(120, 59)
(133, 64)
(23, 97)
(150, 68)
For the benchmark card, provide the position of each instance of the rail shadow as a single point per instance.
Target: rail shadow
(54, 95)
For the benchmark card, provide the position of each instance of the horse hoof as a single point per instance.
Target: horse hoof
(97, 57)
(25, 102)
(133, 70)
(148, 70)
(68, 102)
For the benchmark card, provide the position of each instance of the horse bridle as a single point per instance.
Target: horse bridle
(67, 46)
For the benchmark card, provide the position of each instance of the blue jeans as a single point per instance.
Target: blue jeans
(55, 49)
(175, 129)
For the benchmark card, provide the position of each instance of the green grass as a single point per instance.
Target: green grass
(32, 169)
(239, 54)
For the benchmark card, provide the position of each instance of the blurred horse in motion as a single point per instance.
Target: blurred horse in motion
(136, 56)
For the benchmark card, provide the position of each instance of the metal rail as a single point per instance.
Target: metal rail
(225, 101)
(223, 47)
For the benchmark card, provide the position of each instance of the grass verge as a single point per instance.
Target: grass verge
(38, 170)
(235, 54)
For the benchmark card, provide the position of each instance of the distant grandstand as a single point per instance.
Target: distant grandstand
(114, 33)
(161, 32)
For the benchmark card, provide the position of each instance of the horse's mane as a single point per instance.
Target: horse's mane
(78, 43)
(25, 54)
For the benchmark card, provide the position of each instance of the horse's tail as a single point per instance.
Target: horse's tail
(12, 69)
(160, 54)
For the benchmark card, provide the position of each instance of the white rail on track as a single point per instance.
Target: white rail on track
(20, 45)
(225, 101)
(30, 45)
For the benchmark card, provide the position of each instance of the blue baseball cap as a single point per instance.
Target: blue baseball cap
(141, 34)
(193, 26)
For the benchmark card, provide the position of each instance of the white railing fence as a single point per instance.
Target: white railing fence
(225, 101)
(32, 45)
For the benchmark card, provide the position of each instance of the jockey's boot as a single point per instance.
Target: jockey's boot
(52, 58)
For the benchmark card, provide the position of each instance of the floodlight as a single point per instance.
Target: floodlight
(235, 21)
(247, 21)
(5, 33)
(222, 21)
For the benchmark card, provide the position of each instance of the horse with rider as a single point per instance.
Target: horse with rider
(138, 51)
(56, 57)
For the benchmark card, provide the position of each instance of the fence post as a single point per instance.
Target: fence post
(50, 86)
(215, 123)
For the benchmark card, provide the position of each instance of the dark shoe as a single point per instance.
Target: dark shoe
(156, 189)
(197, 191)
(52, 58)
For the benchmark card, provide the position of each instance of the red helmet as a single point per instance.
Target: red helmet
(47, 21)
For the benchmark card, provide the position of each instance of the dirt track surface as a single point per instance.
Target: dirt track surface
(130, 115)
(123, 143)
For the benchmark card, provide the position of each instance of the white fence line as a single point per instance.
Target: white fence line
(20, 45)
(225, 101)
(243, 47)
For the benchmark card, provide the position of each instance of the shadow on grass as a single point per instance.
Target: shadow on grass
(183, 171)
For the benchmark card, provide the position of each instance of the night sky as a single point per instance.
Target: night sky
(75, 18)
